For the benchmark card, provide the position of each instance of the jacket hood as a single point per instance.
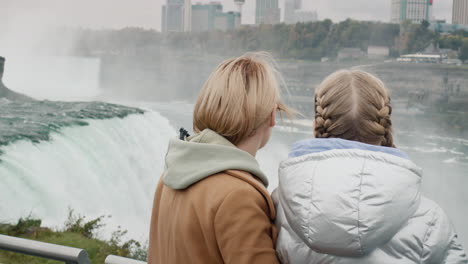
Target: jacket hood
(205, 154)
(347, 198)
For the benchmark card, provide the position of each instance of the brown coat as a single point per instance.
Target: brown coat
(224, 218)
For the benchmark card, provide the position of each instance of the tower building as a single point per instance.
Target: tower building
(460, 12)
(414, 10)
(267, 12)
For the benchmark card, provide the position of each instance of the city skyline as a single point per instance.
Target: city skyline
(147, 13)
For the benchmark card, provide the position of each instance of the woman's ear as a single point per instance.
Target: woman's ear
(273, 118)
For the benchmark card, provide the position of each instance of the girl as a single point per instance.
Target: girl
(212, 205)
(350, 196)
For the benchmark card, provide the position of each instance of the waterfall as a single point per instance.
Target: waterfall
(109, 167)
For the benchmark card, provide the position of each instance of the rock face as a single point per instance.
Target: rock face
(7, 93)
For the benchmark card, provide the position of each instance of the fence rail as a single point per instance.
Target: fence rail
(111, 259)
(68, 255)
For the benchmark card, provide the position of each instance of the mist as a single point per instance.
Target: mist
(114, 51)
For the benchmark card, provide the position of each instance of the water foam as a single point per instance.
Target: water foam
(110, 167)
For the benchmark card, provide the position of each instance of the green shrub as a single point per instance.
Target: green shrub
(77, 232)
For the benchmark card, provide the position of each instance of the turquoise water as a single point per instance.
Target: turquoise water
(35, 121)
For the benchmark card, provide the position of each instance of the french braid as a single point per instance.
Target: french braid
(353, 105)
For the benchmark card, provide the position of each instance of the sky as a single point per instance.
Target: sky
(146, 13)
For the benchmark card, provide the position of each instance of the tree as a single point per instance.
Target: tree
(420, 37)
(464, 50)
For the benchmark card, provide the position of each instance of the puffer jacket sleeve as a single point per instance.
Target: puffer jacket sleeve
(440, 244)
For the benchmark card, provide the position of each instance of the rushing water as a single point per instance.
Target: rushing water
(105, 159)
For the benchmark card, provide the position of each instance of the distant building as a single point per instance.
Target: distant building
(267, 12)
(176, 16)
(378, 52)
(304, 16)
(227, 21)
(239, 4)
(208, 17)
(203, 16)
(443, 27)
(294, 14)
(421, 58)
(350, 54)
(187, 15)
(460, 12)
(290, 6)
(414, 10)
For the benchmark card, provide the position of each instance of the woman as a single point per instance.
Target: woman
(212, 205)
(349, 195)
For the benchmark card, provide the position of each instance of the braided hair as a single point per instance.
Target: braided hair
(354, 105)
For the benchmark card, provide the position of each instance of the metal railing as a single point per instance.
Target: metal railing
(68, 255)
(111, 259)
(65, 254)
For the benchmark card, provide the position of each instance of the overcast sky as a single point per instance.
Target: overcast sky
(146, 13)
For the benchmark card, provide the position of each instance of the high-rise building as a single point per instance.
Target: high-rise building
(414, 10)
(239, 4)
(304, 16)
(294, 14)
(176, 16)
(460, 12)
(208, 17)
(289, 8)
(267, 12)
(203, 16)
(187, 15)
(227, 21)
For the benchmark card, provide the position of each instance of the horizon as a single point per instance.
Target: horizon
(147, 13)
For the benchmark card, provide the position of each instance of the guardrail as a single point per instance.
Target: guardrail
(65, 254)
(111, 259)
(69, 255)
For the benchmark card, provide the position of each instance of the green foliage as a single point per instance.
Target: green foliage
(312, 40)
(464, 50)
(309, 41)
(77, 224)
(78, 233)
(420, 37)
(25, 225)
(452, 42)
(130, 248)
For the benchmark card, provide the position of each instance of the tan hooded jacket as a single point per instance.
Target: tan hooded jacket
(209, 208)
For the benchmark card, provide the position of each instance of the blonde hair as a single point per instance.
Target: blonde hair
(353, 105)
(239, 97)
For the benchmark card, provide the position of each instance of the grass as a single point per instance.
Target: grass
(77, 232)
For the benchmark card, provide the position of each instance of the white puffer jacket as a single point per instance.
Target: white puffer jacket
(346, 202)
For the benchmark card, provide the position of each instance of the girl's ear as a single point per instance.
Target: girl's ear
(273, 118)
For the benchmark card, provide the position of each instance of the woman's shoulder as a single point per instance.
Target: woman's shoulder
(236, 184)
(233, 181)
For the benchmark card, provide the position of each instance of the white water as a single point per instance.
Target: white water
(110, 167)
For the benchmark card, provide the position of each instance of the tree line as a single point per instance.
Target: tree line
(309, 41)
